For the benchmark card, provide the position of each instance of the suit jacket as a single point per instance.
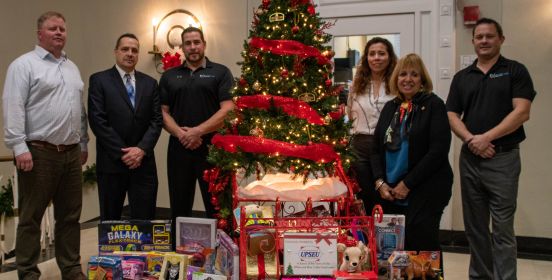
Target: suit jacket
(118, 125)
(429, 175)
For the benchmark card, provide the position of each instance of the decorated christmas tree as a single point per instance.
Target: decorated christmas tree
(288, 118)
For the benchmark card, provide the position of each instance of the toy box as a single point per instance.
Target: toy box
(414, 266)
(207, 276)
(227, 260)
(105, 267)
(174, 267)
(135, 235)
(389, 237)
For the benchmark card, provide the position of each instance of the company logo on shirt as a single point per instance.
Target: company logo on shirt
(206, 76)
(498, 75)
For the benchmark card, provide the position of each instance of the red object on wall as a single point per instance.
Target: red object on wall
(471, 15)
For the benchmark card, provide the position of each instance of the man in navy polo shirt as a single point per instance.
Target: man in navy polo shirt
(195, 99)
(487, 105)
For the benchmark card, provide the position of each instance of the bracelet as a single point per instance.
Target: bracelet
(380, 183)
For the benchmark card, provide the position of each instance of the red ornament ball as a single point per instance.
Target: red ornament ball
(328, 82)
(295, 29)
(214, 200)
(311, 10)
(242, 82)
(266, 3)
(222, 224)
(284, 73)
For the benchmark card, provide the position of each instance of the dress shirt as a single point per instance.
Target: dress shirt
(365, 109)
(43, 101)
(132, 77)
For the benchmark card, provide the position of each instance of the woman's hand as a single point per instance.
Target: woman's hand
(400, 191)
(386, 192)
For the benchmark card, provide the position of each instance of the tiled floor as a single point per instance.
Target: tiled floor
(456, 265)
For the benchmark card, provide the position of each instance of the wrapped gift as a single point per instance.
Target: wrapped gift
(262, 266)
(307, 253)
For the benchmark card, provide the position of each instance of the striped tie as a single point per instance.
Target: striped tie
(129, 88)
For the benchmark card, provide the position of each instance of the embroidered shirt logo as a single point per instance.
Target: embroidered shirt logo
(206, 76)
(498, 75)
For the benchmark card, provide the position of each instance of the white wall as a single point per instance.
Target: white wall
(526, 26)
(93, 27)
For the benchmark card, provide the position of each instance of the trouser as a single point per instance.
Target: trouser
(489, 193)
(184, 169)
(141, 185)
(363, 146)
(57, 177)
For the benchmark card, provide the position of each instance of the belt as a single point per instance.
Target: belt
(50, 146)
(505, 148)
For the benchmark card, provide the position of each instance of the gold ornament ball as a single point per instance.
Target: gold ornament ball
(257, 86)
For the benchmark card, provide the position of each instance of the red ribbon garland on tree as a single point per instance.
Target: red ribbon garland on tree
(258, 145)
(288, 47)
(289, 105)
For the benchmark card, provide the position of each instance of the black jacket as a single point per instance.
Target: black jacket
(117, 124)
(429, 176)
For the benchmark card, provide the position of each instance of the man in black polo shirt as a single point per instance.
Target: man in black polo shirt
(493, 96)
(195, 99)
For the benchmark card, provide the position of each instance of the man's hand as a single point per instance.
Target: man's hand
(24, 161)
(192, 137)
(133, 157)
(400, 191)
(488, 153)
(84, 157)
(479, 143)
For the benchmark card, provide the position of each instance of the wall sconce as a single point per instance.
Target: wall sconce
(169, 29)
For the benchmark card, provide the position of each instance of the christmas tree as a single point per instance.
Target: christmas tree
(288, 117)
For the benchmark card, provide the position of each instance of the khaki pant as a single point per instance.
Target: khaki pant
(57, 177)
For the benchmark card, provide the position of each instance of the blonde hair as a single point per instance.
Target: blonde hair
(47, 15)
(413, 61)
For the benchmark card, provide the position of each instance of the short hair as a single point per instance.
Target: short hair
(414, 61)
(192, 29)
(488, 21)
(126, 35)
(47, 15)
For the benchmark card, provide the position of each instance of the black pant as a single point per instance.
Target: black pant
(141, 186)
(184, 168)
(363, 146)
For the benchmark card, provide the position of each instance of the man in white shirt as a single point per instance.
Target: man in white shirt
(45, 126)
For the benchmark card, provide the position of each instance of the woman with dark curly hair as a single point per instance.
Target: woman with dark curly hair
(368, 94)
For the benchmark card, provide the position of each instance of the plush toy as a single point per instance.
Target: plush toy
(353, 257)
(253, 211)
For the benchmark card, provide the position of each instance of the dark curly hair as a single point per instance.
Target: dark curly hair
(363, 73)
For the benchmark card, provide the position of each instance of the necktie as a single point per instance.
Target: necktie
(129, 88)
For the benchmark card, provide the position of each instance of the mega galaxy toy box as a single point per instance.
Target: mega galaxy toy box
(134, 235)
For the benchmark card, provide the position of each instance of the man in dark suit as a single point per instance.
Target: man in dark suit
(125, 115)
